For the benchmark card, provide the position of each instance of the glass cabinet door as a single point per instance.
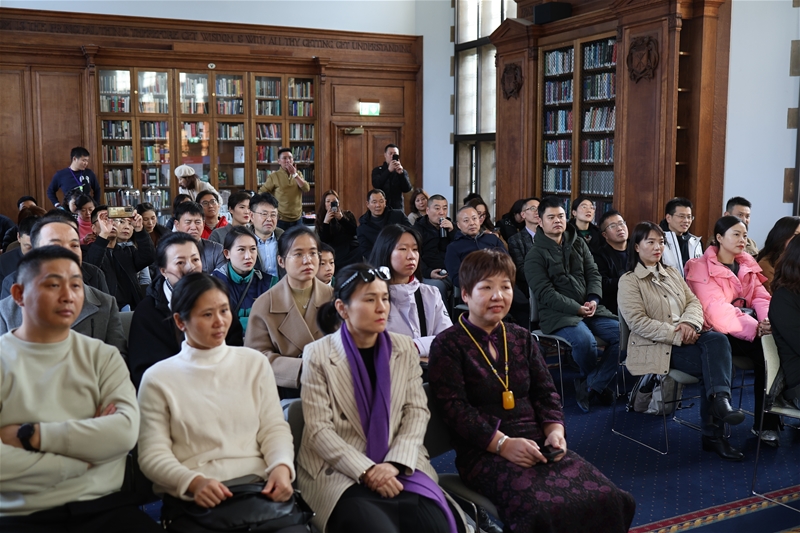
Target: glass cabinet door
(115, 91)
(230, 155)
(194, 93)
(155, 163)
(195, 148)
(153, 90)
(268, 96)
(229, 94)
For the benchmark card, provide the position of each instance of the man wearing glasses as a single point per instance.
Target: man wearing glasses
(521, 242)
(264, 215)
(679, 244)
(612, 257)
(210, 202)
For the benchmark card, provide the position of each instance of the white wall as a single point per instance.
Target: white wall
(429, 18)
(759, 147)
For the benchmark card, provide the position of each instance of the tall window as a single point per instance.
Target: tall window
(475, 106)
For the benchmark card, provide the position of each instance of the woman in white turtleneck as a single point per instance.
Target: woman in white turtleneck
(397, 247)
(210, 415)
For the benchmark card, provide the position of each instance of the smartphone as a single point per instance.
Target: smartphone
(396, 157)
(549, 452)
(120, 212)
(334, 206)
(442, 272)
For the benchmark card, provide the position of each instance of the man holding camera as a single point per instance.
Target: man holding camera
(391, 177)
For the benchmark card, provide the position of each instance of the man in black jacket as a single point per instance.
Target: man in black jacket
(434, 245)
(468, 239)
(612, 257)
(391, 177)
(377, 217)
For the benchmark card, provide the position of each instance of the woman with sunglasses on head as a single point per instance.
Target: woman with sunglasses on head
(504, 416)
(284, 319)
(211, 419)
(730, 286)
(337, 228)
(244, 281)
(362, 465)
(417, 309)
(666, 321)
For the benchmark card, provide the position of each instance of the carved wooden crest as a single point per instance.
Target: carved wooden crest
(642, 58)
(511, 81)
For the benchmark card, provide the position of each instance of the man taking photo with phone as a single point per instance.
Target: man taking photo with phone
(391, 177)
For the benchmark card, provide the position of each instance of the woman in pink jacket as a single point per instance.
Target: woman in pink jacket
(726, 279)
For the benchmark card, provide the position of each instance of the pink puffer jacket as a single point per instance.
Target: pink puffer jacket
(716, 287)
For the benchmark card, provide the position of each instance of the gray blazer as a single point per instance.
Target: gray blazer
(99, 318)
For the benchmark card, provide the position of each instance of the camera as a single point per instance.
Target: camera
(334, 206)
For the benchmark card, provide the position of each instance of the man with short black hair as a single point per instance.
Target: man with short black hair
(287, 185)
(391, 177)
(739, 207)
(327, 264)
(209, 201)
(434, 244)
(26, 201)
(679, 244)
(468, 239)
(612, 257)
(264, 214)
(189, 218)
(76, 176)
(10, 260)
(521, 242)
(71, 416)
(378, 216)
(239, 208)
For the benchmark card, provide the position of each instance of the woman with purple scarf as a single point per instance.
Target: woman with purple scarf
(362, 465)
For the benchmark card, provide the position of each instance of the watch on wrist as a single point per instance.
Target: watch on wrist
(698, 329)
(24, 434)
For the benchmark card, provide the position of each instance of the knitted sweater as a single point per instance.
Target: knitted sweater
(214, 413)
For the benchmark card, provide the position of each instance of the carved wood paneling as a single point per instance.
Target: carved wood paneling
(347, 97)
(14, 142)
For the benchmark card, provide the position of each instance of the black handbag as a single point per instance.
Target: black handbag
(749, 311)
(246, 510)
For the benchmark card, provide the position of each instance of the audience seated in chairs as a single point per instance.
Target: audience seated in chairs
(337, 228)
(501, 407)
(417, 205)
(362, 465)
(153, 335)
(680, 245)
(433, 247)
(729, 284)
(612, 257)
(284, 319)
(784, 315)
(397, 248)
(239, 209)
(69, 411)
(778, 238)
(379, 215)
(583, 211)
(469, 238)
(666, 319)
(521, 243)
(216, 402)
(189, 219)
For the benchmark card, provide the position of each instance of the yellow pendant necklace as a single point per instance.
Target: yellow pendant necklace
(508, 395)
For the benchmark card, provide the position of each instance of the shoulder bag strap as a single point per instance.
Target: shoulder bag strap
(423, 326)
(244, 294)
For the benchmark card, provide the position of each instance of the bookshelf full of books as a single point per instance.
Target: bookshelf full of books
(578, 120)
(230, 155)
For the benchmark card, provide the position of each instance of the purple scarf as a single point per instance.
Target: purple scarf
(373, 409)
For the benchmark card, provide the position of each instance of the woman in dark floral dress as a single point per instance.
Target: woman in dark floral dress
(502, 413)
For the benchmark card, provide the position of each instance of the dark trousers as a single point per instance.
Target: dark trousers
(754, 352)
(286, 225)
(360, 510)
(103, 515)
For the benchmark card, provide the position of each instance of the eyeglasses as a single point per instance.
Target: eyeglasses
(297, 256)
(616, 225)
(684, 217)
(206, 203)
(273, 215)
(367, 276)
(531, 208)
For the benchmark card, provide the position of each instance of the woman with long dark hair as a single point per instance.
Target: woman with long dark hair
(778, 237)
(84, 205)
(729, 284)
(417, 309)
(666, 320)
(362, 465)
(784, 315)
(337, 228)
(150, 222)
(512, 222)
(483, 213)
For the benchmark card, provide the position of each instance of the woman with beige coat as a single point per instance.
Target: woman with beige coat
(665, 319)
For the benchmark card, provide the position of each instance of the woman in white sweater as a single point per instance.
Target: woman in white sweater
(211, 417)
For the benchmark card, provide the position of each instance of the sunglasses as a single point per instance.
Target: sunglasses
(367, 276)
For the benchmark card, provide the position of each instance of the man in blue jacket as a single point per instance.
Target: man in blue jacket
(76, 176)
(468, 239)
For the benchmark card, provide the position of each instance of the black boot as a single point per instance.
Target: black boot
(486, 524)
(721, 409)
(722, 447)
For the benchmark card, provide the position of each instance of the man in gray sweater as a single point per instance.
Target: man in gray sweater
(69, 414)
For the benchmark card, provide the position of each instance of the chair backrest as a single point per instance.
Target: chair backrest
(437, 437)
(534, 305)
(126, 317)
(624, 332)
(772, 360)
(296, 423)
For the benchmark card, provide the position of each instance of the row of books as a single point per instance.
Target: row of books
(230, 107)
(301, 132)
(557, 180)
(301, 88)
(118, 177)
(115, 104)
(236, 178)
(230, 86)
(158, 197)
(193, 106)
(599, 119)
(268, 132)
(559, 62)
(154, 130)
(116, 129)
(155, 106)
(266, 153)
(271, 108)
(111, 84)
(155, 177)
(599, 182)
(157, 153)
(194, 85)
(558, 151)
(600, 54)
(230, 132)
(558, 92)
(117, 154)
(195, 130)
(308, 197)
(301, 109)
(597, 151)
(303, 153)
(558, 121)
(600, 86)
(153, 83)
(267, 88)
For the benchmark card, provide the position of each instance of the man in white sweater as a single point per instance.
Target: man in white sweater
(68, 412)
